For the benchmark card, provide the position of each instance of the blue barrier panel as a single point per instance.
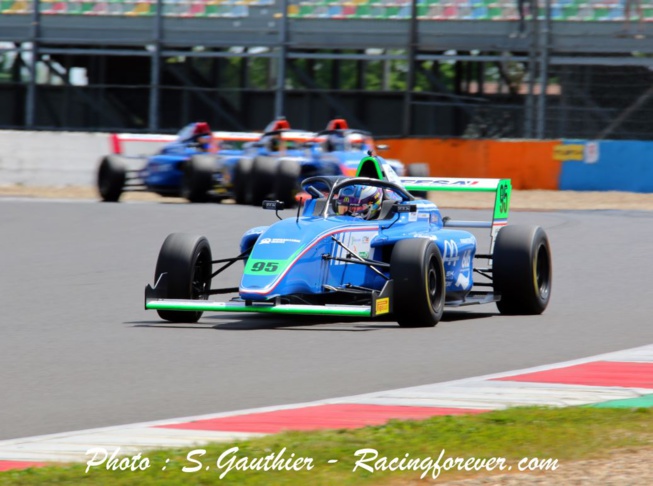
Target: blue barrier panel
(606, 165)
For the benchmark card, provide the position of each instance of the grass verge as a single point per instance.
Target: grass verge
(562, 434)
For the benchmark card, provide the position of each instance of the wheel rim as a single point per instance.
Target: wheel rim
(201, 279)
(433, 284)
(542, 272)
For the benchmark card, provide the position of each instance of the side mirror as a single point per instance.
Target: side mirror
(314, 192)
(274, 205)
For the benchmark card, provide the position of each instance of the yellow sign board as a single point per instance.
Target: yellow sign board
(569, 152)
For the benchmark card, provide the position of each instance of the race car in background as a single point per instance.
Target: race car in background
(341, 149)
(263, 172)
(196, 164)
(402, 259)
(267, 166)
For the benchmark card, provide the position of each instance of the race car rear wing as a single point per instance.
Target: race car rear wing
(375, 167)
(501, 187)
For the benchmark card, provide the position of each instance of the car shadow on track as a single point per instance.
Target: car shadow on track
(301, 323)
(455, 316)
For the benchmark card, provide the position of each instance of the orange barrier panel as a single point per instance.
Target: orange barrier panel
(528, 163)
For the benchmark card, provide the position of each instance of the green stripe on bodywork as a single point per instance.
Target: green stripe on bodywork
(308, 310)
(502, 200)
(645, 401)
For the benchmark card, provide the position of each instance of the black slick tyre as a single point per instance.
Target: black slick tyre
(112, 175)
(187, 261)
(287, 181)
(522, 270)
(242, 182)
(417, 271)
(264, 170)
(197, 179)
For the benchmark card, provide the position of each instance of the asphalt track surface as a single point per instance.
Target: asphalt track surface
(77, 349)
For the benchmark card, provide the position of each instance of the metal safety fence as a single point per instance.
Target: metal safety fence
(530, 89)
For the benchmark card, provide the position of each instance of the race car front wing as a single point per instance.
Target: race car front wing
(381, 303)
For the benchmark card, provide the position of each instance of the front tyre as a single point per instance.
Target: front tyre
(112, 175)
(187, 261)
(264, 170)
(287, 185)
(197, 179)
(522, 270)
(242, 182)
(417, 271)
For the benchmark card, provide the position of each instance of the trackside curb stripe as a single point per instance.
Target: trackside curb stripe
(469, 395)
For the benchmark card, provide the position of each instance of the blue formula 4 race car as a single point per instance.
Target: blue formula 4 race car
(268, 165)
(364, 247)
(196, 164)
(340, 150)
(277, 173)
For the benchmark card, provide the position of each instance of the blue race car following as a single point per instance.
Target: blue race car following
(196, 164)
(274, 166)
(339, 150)
(268, 166)
(364, 247)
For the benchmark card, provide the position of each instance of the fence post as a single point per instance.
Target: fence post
(544, 71)
(410, 76)
(155, 69)
(30, 101)
(529, 116)
(279, 98)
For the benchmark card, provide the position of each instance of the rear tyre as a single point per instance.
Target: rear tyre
(242, 181)
(417, 272)
(287, 181)
(112, 175)
(187, 261)
(197, 179)
(522, 270)
(264, 170)
(418, 170)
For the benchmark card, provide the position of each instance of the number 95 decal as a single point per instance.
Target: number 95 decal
(265, 267)
(269, 267)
